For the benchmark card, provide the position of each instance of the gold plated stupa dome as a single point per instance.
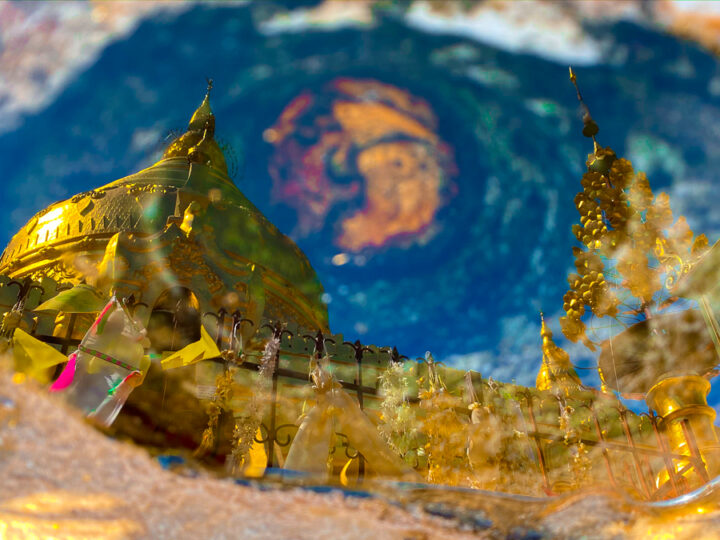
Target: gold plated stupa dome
(179, 224)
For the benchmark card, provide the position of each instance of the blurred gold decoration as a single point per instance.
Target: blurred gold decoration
(632, 251)
(247, 422)
(444, 429)
(667, 343)
(219, 403)
(633, 257)
(399, 425)
(336, 411)
(688, 421)
(556, 373)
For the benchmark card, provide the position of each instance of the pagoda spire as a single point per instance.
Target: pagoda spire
(556, 372)
(198, 144)
(203, 117)
(590, 128)
(602, 158)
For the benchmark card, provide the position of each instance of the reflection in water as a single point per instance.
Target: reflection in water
(361, 133)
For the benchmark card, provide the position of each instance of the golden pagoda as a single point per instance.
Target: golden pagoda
(556, 372)
(178, 231)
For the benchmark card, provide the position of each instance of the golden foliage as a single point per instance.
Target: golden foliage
(640, 194)
(631, 244)
(699, 246)
(400, 425)
(447, 437)
(248, 423)
(638, 277)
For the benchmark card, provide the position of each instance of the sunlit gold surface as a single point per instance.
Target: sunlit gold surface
(65, 515)
(684, 399)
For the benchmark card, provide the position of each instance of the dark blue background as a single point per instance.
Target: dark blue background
(473, 294)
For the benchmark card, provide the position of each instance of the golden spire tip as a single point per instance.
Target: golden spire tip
(203, 117)
(590, 128)
(544, 330)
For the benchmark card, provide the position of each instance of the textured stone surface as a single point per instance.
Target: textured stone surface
(62, 479)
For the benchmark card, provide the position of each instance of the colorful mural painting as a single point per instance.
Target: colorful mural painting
(368, 142)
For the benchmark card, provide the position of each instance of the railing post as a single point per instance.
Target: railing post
(666, 457)
(277, 334)
(319, 340)
(694, 450)
(359, 349)
(633, 450)
(358, 376)
(13, 318)
(538, 446)
(24, 289)
(601, 440)
(235, 343)
(68, 334)
(278, 331)
(220, 317)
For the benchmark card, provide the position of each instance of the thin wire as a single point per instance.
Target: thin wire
(612, 355)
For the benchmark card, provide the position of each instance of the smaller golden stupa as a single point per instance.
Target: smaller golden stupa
(556, 372)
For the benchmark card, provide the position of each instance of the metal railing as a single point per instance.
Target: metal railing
(639, 457)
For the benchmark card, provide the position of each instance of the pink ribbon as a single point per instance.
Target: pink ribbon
(68, 374)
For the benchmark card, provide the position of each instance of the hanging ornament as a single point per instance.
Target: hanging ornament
(108, 364)
(246, 451)
(336, 411)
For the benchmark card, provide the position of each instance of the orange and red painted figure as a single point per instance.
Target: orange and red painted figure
(362, 140)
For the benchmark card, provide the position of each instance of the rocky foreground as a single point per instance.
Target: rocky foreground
(60, 478)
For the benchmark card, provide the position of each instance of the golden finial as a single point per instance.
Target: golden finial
(197, 144)
(203, 118)
(602, 158)
(544, 330)
(551, 351)
(545, 377)
(590, 128)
